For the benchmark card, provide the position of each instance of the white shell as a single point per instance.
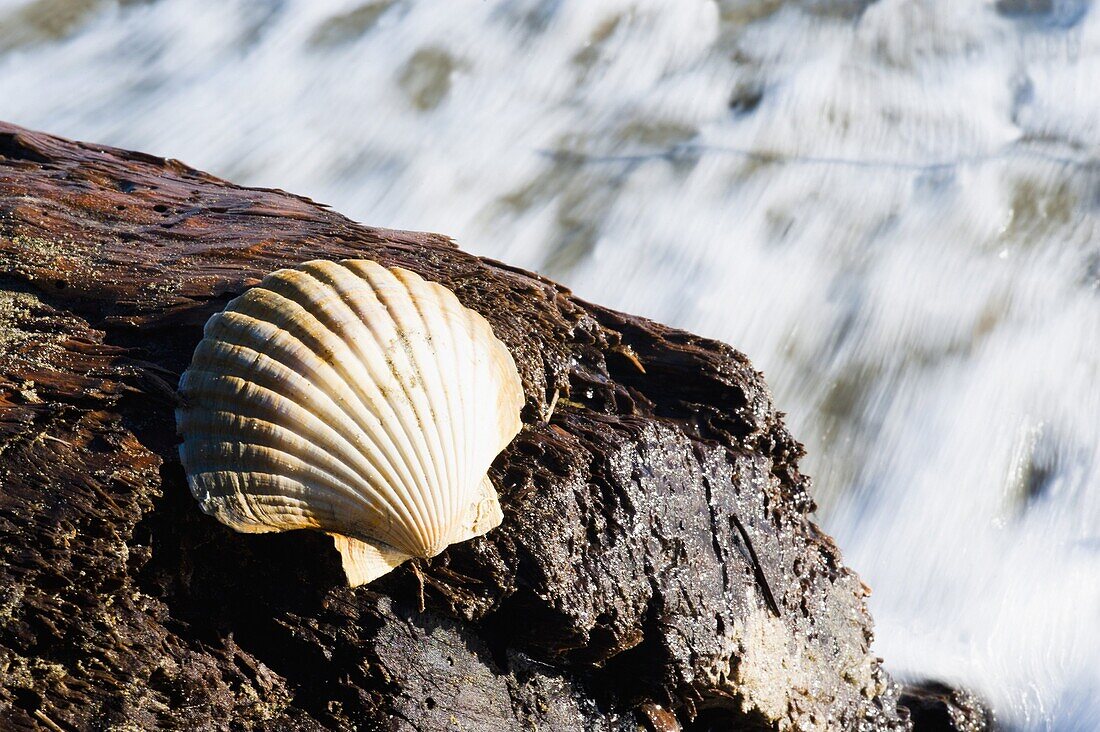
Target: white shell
(354, 399)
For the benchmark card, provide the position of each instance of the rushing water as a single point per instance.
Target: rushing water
(890, 206)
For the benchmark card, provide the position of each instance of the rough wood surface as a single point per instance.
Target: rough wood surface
(657, 567)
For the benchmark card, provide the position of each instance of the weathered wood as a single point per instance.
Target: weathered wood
(657, 564)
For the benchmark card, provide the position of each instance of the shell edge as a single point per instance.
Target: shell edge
(366, 561)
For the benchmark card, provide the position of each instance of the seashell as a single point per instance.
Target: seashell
(358, 400)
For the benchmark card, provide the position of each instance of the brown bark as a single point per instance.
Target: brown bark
(657, 564)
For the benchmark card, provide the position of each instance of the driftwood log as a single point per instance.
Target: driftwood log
(657, 567)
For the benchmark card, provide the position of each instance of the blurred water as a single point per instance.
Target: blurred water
(890, 206)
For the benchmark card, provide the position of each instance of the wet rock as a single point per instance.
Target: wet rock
(936, 707)
(426, 77)
(1053, 13)
(350, 26)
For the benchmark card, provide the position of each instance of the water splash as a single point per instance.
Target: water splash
(890, 206)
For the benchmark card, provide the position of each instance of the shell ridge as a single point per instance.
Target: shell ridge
(360, 295)
(256, 459)
(328, 339)
(413, 340)
(221, 498)
(278, 507)
(483, 453)
(333, 382)
(390, 293)
(491, 383)
(262, 399)
(271, 435)
(218, 472)
(461, 337)
(202, 454)
(440, 342)
(305, 395)
(506, 380)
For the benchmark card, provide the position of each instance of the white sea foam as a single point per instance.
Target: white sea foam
(892, 212)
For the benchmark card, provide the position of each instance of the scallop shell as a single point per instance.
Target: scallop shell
(358, 400)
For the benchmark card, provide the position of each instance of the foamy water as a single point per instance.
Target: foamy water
(891, 207)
